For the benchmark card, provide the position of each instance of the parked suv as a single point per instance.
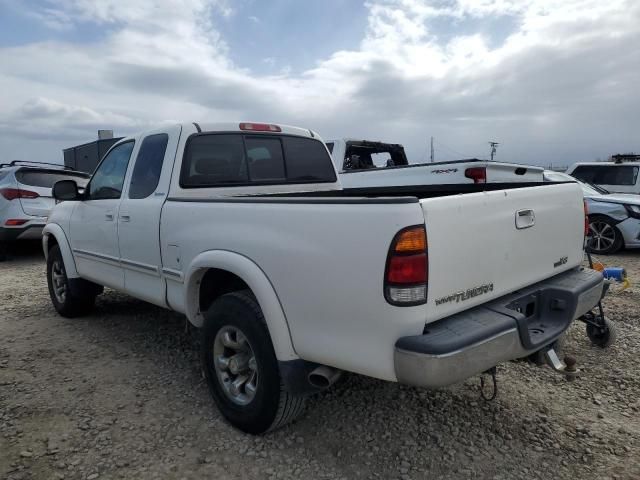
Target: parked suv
(26, 200)
(614, 177)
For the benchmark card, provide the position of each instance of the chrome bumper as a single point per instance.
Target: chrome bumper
(515, 326)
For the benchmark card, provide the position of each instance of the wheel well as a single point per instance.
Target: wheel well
(51, 242)
(215, 283)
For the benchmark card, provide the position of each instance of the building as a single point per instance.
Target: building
(86, 157)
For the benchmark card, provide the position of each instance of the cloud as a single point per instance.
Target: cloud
(560, 85)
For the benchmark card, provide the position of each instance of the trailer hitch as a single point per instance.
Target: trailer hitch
(566, 367)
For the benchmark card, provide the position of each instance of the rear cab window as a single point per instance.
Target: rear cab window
(238, 159)
(607, 174)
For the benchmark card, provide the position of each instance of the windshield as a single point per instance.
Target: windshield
(587, 189)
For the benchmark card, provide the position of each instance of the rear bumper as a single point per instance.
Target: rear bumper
(514, 326)
(28, 231)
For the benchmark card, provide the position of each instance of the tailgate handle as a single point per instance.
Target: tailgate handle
(525, 218)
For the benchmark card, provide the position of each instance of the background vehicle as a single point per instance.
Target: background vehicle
(245, 229)
(614, 177)
(614, 219)
(26, 200)
(363, 163)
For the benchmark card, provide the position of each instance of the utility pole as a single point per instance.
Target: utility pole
(494, 146)
(432, 150)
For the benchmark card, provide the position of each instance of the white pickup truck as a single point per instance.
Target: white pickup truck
(245, 229)
(365, 163)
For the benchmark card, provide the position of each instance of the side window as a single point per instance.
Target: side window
(586, 173)
(108, 179)
(265, 159)
(330, 147)
(619, 175)
(146, 172)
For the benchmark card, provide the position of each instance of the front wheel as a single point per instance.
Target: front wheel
(241, 368)
(68, 300)
(604, 236)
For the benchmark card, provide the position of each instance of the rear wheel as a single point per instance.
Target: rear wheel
(71, 298)
(4, 251)
(605, 238)
(241, 368)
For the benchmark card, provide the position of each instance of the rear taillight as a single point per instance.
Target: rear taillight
(13, 193)
(407, 269)
(260, 127)
(586, 218)
(15, 222)
(477, 174)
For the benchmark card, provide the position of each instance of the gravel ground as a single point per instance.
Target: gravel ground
(119, 394)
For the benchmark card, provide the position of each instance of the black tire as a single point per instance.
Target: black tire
(272, 406)
(4, 252)
(79, 295)
(604, 236)
(603, 337)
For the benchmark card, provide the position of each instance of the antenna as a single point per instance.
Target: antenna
(494, 147)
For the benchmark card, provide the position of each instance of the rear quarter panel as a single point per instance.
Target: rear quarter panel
(326, 264)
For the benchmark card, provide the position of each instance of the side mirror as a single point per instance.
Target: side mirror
(66, 190)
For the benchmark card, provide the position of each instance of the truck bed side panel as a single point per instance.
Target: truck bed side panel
(326, 263)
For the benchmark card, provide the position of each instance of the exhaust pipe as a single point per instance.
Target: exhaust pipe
(323, 377)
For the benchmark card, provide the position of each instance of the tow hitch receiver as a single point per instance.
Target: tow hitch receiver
(566, 367)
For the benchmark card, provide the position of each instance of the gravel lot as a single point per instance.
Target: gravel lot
(119, 394)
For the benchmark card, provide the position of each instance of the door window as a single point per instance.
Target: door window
(146, 172)
(108, 179)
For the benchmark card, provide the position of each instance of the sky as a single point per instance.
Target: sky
(553, 81)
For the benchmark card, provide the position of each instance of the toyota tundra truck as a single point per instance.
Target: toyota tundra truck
(245, 229)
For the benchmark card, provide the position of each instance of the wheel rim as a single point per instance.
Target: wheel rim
(235, 365)
(59, 281)
(603, 236)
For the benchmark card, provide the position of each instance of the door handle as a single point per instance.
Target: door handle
(125, 218)
(108, 217)
(525, 218)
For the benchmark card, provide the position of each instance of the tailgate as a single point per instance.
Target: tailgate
(37, 183)
(39, 206)
(484, 245)
(510, 172)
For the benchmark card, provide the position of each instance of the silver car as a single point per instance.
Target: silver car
(614, 218)
(26, 200)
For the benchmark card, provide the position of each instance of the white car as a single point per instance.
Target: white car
(246, 230)
(366, 163)
(614, 218)
(26, 200)
(621, 177)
